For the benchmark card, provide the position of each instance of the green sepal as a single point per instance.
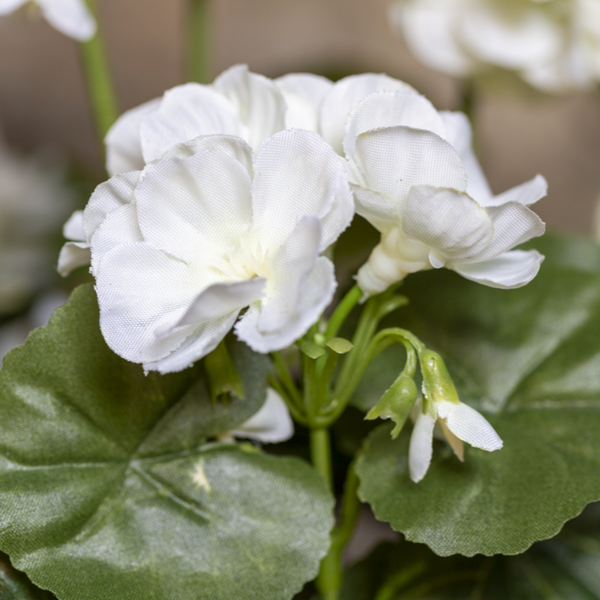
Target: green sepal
(311, 350)
(396, 403)
(340, 345)
(222, 375)
(437, 383)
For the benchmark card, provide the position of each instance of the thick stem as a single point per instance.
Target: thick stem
(198, 23)
(100, 84)
(320, 453)
(342, 311)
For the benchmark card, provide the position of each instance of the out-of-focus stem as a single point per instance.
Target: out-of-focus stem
(198, 50)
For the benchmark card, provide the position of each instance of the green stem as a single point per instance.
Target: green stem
(320, 453)
(100, 84)
(198, 22)
(288, 381)
(342, 311)
(389, 590)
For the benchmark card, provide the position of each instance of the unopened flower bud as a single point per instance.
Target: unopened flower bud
(437, 383)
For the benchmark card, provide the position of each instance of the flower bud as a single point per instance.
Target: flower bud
(437, 383)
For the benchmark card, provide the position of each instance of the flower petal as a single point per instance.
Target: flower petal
(448, 221)
(509, 270)
(8, 6)
(527, 193)
(389, 109)
(123, 143)
(469, 425)
(296, 175)
(343, 97)
(186, 112)
(72, 256)
(303, 93)
(71, 17)
(382, 211)
(393, 159)
(420, 450)
(271, 424)
(73, 228)
(259, 103)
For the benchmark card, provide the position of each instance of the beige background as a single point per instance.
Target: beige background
(43, 96)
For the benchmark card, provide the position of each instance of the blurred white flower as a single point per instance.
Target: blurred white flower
(33, 203)
(271, 424)
(180, 248)
(553, 44)
(71, 17)
(416, 179)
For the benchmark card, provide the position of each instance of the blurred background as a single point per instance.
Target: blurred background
(43, 100)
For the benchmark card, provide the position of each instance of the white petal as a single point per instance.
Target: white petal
(469, 425)
(108, 196)
(458, 134)
(509, 270)
(527, 193)
(297, 174)
(73, 228)
(219, 300)
(72, 256)
(71, 17)
(194, 208)
(382, 211)
(186, 112)
(8, 6)
(395, 158)
(420, 450)
(260, 104)
(317, 293)
(389, 109)
(429, 31)
(456, 443)
(344, 96)
(448, 221)
(271, 424)
(123, 142)
(303, 93)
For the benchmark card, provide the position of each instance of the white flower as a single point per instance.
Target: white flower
(180, 248)
(71, 17)
(459, 423)
(416, 179)
(552, 44)
(270, 425)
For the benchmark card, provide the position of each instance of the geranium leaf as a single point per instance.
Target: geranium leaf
(111, 488)
(529, 361)
(14, 585)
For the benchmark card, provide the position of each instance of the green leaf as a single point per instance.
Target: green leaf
(340, 345)
(566, 567)
(111, 488)
(311, 350)
(529, 361)
(14, 585)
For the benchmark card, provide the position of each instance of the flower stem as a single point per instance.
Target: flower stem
(100, 84)
(198, 22)
(342, 311)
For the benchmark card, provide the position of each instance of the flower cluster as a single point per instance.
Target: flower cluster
(553, 44)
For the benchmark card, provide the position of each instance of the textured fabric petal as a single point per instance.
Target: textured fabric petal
(382, 211)
(296, 175)
(217, 301)
(395, 158)
(123, 143)
(469, 425)
(259, 103)
(72, 256)
(8, 6)
(420, 450)
(527, 193)
(139, 290)
(455, 442)
(73, 228)
(343, 97)
(509, 270)
(271, 424)
(494, 35)
(194, 207)
(317, 293)
(429, 32)
(71, 17)
(303, 93)
(186, 112)
(458, 134)
(108, 196)
(389, 109)
(448, 221)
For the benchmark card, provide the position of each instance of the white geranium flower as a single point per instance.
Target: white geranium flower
(71, 17)
(180, 248)
(416, 179)
(270, 425)
(553, 44)
(458, 422)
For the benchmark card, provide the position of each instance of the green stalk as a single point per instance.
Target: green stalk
(342, 311)
(100, 84)
(198, 23)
